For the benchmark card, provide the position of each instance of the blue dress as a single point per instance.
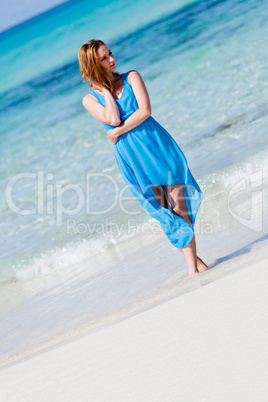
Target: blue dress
(148, 156)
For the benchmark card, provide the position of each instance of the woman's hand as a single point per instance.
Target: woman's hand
(113, 134)
(98, 88)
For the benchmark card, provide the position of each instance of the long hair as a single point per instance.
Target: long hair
(90, 67)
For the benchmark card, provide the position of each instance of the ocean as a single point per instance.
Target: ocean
(78, 252)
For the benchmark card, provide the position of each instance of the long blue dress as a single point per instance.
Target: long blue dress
(148, 156)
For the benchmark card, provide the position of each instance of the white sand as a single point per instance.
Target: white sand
(207, 345)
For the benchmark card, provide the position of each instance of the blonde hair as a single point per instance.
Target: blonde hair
(90, 67)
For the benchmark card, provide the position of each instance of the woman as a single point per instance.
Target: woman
(149, 159)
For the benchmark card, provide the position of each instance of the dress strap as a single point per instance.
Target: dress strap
(94, 93)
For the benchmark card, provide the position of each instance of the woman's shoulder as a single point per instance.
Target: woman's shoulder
(91, 96)
(132, 74)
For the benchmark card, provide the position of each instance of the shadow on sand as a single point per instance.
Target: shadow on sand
(243, 250)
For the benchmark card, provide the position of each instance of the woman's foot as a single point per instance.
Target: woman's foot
(193, 271)
(201, 266)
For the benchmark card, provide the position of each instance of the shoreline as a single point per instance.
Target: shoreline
(175, 286)
(158, 353)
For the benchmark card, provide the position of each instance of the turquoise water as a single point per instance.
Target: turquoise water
(73, 246)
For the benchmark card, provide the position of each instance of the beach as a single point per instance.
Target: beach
(209, 344)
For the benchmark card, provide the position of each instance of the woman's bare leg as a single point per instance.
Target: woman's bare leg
(201, 266)
(189, 252)
(167, 198)
(160, 196)
(177, 203)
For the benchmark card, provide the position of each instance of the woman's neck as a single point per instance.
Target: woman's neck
(115, 77)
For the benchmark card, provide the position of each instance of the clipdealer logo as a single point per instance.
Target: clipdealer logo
(49, 198)
(255, 220)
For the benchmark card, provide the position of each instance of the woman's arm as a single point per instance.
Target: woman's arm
(109, 114)
(139, 115)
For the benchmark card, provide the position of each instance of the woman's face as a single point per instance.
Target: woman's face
(106, 58)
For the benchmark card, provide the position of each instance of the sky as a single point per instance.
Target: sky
(14, 12)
